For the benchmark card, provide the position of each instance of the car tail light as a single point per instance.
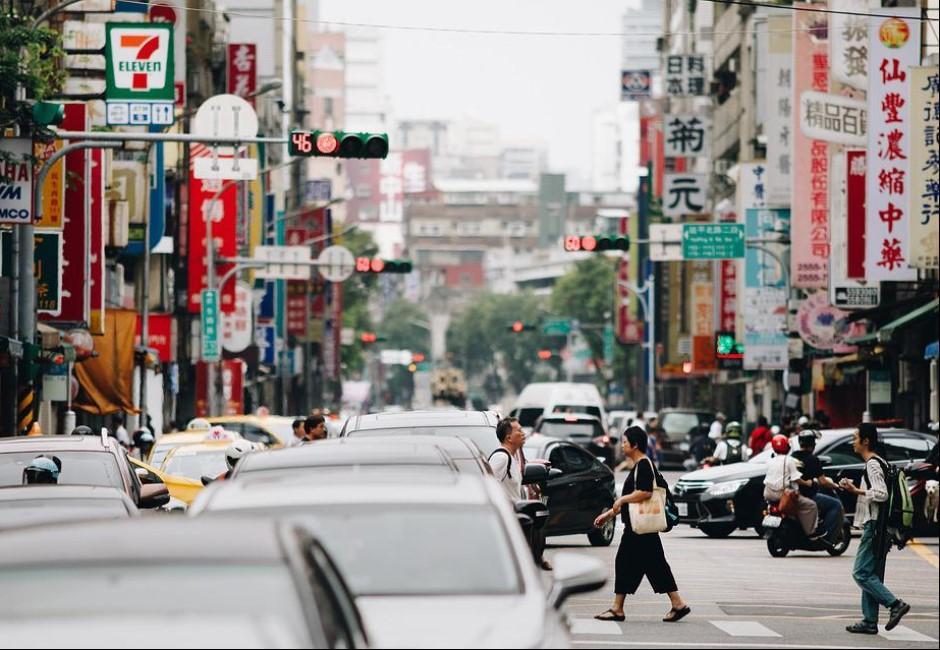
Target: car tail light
(774, 509)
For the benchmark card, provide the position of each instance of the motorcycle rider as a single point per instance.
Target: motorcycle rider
(830, 508)
(784, 473)
(729, 448)
(233, 453)
(42, 471)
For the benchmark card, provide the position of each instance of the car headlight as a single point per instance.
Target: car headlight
(726, 488)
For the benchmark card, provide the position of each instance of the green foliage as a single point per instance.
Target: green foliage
(404, 328)
(29, 57)
(357, 291)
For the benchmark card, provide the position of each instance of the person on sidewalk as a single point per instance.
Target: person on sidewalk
(868, 571)
(639, 555)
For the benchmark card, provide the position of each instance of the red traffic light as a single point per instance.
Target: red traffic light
(518, 326)
(596, 243)
(327, 143)
(417, 357)
(545, 355)
(367, 337)
(588, 243)
(377, 265)
(363, 264)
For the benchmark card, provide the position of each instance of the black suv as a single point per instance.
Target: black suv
(719, 500)
(681, 425)
(86, 460)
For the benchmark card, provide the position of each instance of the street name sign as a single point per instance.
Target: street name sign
(210, 325)
(712, 241)
(283, 262)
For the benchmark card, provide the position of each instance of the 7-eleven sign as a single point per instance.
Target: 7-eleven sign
(139, 62)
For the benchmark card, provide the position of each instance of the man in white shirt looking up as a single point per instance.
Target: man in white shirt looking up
(504, 461)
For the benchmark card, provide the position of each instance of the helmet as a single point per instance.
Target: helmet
(198, 423)
(733, 429)
(82, 430)
(775, 430)
(808, 437)
(236, 451)
(803, 421)
(780, 444)
(41, 470)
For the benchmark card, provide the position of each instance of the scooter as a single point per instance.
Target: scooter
(785, 534)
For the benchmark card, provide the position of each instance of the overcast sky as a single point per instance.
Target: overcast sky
(533, 87)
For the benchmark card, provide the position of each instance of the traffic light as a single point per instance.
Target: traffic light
(596, 243)
(378, 265)
(545, 355)
(412, 367)
(368, 337)
(417, 357)
(338, 144)
(518, 326)
(729, 354)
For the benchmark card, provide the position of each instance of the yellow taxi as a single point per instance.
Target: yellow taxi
(185, 465)
(170, 441)
(270, 431)
(178, 488)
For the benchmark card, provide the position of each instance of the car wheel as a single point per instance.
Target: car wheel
(776, 547)
(718, 531)
(843, 545)
(604, 535)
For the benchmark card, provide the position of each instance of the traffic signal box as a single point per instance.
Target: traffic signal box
(338, 144)
(378, 265)
(596, 243)
(517, 327)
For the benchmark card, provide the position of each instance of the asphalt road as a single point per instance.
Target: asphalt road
(741, 597)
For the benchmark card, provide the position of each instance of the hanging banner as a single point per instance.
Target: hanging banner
(833, 118)
(628, 327)
(848, 40)
(844, 292)
(764, 307)
(160, 335)
(685, 75)
(778, 126)
(894, 46)
(855, 162)
(96, 261)
(703, 318)
(233, 386)
(809, 254)
(53, 189)
(728, 286)
(237, 330)
(686, 136)
(925, 167)
(222, 209)
(243, 70)
(684, 194)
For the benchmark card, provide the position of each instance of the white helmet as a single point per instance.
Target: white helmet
(198, 424)
(236, 451)
(803, 421)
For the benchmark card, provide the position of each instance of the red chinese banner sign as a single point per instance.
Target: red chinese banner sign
(809, 265)
(243, 70)
(855, 163)
(893, 47)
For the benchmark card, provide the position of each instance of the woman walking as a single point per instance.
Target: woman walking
(639, 554)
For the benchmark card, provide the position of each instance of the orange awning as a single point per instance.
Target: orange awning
(107, 380)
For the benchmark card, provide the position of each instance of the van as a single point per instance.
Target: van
(546, 398)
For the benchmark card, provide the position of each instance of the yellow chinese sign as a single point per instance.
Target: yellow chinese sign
(53, 189)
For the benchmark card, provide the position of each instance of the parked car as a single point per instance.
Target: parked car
(86, 460)
(30, 505)
(219, 583)
(586, 431)
(432, 563)
(545, 398)
(578, 489)
(478, 426)
(680, 426)
(719, 500)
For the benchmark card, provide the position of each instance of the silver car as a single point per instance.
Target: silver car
(433, 560)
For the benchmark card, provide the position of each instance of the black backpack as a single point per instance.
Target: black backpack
(508, 467)
(897, 513)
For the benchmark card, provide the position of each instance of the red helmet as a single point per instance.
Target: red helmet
(780, 444)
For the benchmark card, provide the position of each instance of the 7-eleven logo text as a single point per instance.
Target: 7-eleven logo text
(140, 58)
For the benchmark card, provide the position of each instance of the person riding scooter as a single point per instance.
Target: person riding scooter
(830, 508)
(729, 448)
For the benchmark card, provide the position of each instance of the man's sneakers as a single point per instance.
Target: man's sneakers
(862, 627)
(898, 610)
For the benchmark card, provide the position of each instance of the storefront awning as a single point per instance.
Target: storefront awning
(932, 351)
(887, 331)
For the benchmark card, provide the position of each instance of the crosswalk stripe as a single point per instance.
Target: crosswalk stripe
(744, 628)
(904, 633)
(592, 626)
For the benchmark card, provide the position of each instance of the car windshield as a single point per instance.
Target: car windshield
(160, 451)
(207, 604)
(558, 429)
(679, 425)
(196, 465)
(78, 468)
(411, 557)
(484, 436)
(29, 512)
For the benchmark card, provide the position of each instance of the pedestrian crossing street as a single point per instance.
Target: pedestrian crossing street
(588, 632)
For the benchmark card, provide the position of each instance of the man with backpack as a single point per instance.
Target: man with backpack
(872, 513)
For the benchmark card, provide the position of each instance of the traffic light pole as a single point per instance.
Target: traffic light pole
(646, 296)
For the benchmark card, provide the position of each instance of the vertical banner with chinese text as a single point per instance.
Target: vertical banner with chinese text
(779, 110)
(925, 167)
(894, 46)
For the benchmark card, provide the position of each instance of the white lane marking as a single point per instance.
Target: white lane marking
(685, 644)
(744, 628)
(904, 633)
(592, 626)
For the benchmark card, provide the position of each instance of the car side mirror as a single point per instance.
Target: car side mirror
(555, 472)
(142, 474)
(825, 461)
(535, 473)
(575, 574)
(153, 495)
